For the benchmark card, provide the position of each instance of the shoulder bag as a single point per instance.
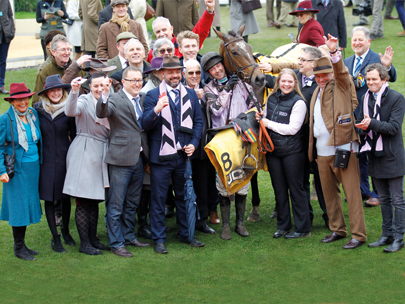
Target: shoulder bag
(9, 160)
(250, 5)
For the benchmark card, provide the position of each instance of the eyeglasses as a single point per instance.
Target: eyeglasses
(301, 14)
(162, 51)
(194, 72)
(21, 100)
(305, 60)
(63, 50)
(132, 81)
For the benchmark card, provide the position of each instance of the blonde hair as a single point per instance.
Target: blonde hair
(296, 86)
(187, 35)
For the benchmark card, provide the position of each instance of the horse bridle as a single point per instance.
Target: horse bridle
(235, 66)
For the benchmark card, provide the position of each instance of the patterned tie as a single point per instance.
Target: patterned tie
(324, 3)
(138, 109)
(306, 79)
(177, 98)
(357, 68)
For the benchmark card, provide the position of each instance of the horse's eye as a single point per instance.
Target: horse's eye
(234, 53)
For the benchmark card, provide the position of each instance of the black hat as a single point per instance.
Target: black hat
(54, 82)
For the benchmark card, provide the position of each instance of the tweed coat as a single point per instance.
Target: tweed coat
(57, 135)
(392, 163)
(86, 172)
(339, 91)
(88, 11)
(106, 14)
(115, 61)
(107, 43)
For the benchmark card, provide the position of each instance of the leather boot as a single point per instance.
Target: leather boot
(240, 206)
(30, 251)
(57, 244)
(20, 250)
(143, 229)
(225, 205)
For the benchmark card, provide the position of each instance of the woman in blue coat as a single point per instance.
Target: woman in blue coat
(20, 203)
(58, 131)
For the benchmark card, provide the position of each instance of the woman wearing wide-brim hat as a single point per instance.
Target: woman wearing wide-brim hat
(311, 31)
(58, 131)
(20, 202)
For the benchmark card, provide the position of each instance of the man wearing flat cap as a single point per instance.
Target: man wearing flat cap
(333, 140)
(173, 120)
(120, 61)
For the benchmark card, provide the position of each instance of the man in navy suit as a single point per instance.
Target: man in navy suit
(357, 64)
(174, 123)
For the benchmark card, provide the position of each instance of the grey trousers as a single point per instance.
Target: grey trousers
(392, 201)
(389, 6)
(269, 10)
(377, 27)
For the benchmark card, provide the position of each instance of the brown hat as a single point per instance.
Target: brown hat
(99, 64)
(322, 65)
(171, 63)
(116, 2)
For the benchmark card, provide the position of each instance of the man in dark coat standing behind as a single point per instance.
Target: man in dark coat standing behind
(7, 33)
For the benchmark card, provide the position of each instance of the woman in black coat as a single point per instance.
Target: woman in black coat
(58, 131)
(380, 122)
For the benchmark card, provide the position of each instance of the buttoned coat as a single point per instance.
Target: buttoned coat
(88, 11)
(106, 14)
(7, 25)
(126, 135)
(337, 98)
(107, 38)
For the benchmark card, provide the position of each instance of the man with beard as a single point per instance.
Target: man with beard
(173, 120)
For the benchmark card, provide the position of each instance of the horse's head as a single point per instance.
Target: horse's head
(238, 57)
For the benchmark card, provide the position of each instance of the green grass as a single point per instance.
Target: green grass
(25, 15)
(257, 269)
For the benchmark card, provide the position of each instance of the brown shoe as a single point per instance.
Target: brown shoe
(214, 219)
(137, 243)
(372, 202)
(352, 244)
(272, 23)
(123, 252)
(332, 237)
(402, 34)
(391, 18)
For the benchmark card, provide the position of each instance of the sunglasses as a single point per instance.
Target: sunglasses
(194, 72)
(162, 51)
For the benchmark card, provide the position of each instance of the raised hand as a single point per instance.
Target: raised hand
(331, 43)
(387, 58)
(210, 4)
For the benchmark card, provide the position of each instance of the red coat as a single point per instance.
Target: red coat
(202, 29)
(311, 33)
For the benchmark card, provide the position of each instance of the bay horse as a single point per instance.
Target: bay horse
(238, 58)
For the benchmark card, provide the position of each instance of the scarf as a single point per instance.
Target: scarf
(168, 148)
(22, 135)
(369, 136)
(122, 22)
(54, 109)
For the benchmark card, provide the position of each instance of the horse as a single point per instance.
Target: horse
(238, 59)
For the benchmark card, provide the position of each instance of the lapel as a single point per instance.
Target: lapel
(129, 104)
(365, 62)
(329, 8)
(114, 28)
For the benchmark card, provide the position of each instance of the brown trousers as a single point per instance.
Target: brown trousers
(331, 178)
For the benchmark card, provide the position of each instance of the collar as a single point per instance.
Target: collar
(362, 56)
(130, 97)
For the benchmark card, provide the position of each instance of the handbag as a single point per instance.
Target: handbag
(150, 12)
(68, 21)
(250, 5)
(9, 160)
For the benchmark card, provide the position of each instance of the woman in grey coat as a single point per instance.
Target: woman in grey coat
(87, 175)
(238, 18)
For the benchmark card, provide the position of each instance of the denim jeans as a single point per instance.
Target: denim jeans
(399, 4)
(3, 58)
(392, 206)
(123, 198)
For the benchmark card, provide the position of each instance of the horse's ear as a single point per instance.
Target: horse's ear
(241, 30)
(219, 33)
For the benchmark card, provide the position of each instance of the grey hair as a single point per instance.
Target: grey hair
(159, 43)
(160, 19)
(56, 39)
(381, 69)
(191, 62)
(313, 52)
(130, 41)
(365, 30)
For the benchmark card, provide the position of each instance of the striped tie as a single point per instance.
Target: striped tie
(324, 4)
(357, 68)
(138, 109)
(177, 98)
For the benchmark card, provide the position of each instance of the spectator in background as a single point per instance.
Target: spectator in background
(120, 61)
(399, 4)
(106, 13)
(270, 14)
(331, 16)
(7, 32)
(286, 7)
(88, 11)
(217, 18)
(50, 13)
(138, 9)
(389, 6)
(377, 26)
(74, 31)
(238, 18)
(183, 14)
(48, 40)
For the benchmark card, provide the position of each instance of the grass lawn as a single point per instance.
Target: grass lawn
(257, 269)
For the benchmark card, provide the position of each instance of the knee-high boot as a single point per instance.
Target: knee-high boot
(93, 215)
(20, 251)
(82, 223)
(66, 208)
(240, 206)
(225, 205)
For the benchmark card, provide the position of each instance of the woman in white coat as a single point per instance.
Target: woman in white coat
(138, 10)
(74, 31)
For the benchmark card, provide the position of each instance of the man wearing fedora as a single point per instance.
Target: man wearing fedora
(120, 61)
(126, 150)
(173, 120)
(333, 138)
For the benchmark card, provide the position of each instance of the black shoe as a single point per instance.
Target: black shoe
(206, 229)
(137, 243)
(382, 241)
(145, 232)
(90, 250)
(23, 254)
(361, 22)
(395, 246)
(169, 212)
(68, 239)
(57, 244)
(280, 233)
(30, 251)
(100, 246)
(160, 248)
(194, 243)
(274, 214)
(296, 235)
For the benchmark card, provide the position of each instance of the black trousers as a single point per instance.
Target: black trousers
(204, 188)
(287, 175)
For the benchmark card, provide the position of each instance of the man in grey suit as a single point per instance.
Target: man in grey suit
(120, 61)
(126, 149)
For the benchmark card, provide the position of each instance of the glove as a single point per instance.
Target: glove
(231, 82)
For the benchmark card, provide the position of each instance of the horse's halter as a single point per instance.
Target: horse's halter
(235, 66)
